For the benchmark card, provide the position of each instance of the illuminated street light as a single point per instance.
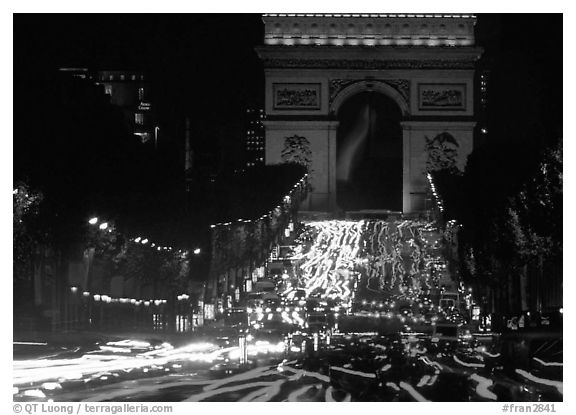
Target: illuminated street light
(73, 289)
(137, 240)
(144, 241)
(103, 225)
(93, 221)
(197, 251)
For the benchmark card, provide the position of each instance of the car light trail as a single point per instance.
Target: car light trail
(467, 364)
(293, 397)
(413, 392)
(483, 385)
(42, 370)
(329, 264)
(542, 362)
(557, 384)
(353, 372)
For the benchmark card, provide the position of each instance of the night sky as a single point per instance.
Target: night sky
(205, 67)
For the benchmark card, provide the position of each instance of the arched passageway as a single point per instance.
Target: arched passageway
(369, 153)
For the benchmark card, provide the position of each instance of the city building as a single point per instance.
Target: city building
(255, 137)
(131, 91)
(128, 90)
(482, 105)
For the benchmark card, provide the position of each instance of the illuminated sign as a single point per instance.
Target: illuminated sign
(209, 312)
(476, 313)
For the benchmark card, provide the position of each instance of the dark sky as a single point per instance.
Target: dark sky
(203, 66)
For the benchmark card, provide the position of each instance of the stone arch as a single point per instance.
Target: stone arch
(369, 152)
(369, 86)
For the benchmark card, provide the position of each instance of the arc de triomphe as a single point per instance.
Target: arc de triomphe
(314, 64)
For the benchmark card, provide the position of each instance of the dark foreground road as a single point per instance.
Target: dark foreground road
(350, 368)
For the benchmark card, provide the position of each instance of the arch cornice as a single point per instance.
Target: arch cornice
(369, 85)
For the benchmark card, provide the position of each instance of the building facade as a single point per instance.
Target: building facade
(255, 139)
(131, 91)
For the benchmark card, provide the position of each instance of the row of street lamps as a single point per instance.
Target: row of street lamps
(104, 225)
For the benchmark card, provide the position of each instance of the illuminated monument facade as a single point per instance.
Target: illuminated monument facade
(361, 99)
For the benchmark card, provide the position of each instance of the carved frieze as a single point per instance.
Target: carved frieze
(400, 85)
(296, 96)
(370, 64)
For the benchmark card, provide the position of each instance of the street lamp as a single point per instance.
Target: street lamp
(103, 226)
(197, 251)
(93, 221)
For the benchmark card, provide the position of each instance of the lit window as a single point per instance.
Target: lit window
(133, 77)
(122, 77)
(108, 89)
(141, 94)
(139, 118)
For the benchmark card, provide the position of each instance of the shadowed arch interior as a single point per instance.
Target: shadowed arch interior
(369, 153)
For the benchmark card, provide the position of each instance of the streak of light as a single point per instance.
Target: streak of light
(433, 380)
(249, 375)
(547, 363)
(413, 392)
(128, 388)
(129, 343)
(214, 392)
(35, 393)
(329, 263)
(386, 367)
(270, 392)
(423, 381)
(393, 386)
(30, 343)
(39, 370)
(467, 364)
(491, 354)
(50, 386)
(557, 384)
(301, 372)
(353, 372)
(483, 385)
(429, 362)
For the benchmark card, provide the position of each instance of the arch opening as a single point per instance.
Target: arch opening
(369, 153)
